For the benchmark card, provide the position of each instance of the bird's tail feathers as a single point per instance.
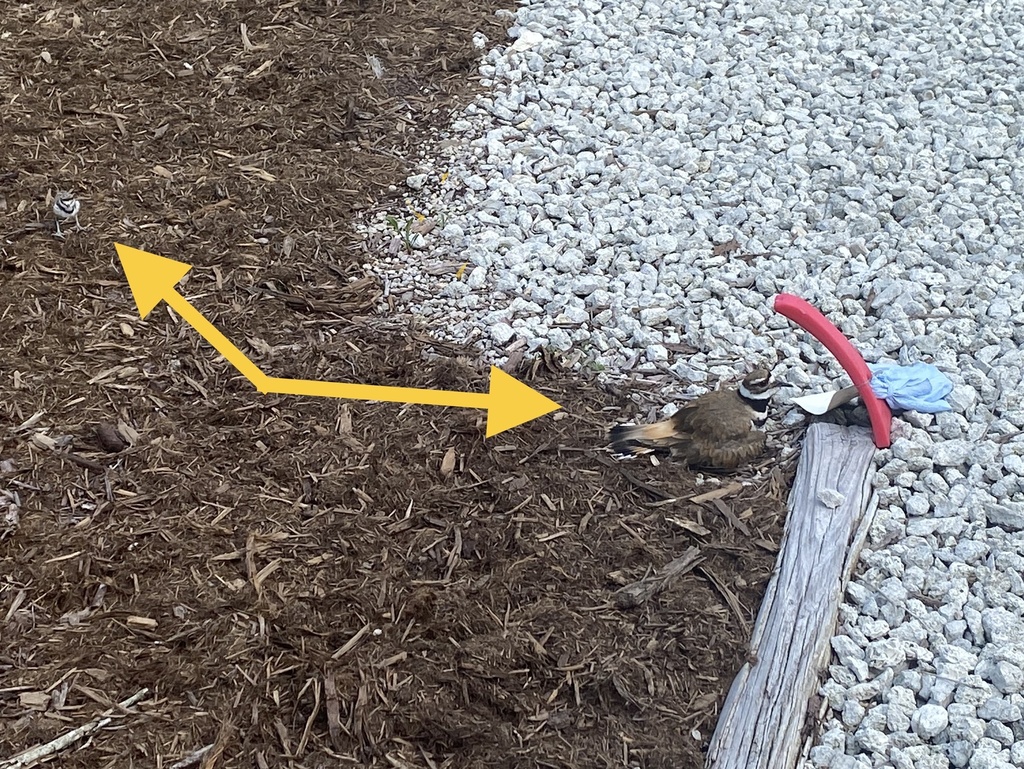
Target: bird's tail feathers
(629, 441)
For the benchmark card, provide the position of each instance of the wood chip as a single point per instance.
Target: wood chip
(128, 432)
(730, 516)
(350, 644)
(393, 660)
(691, 526)
(556, 535)
(43, 441)
(448, 463)
(260, 70)
(192, 758)
(262, 574)
(637, 593)
(109, 438)
(34, 700)
(333, 711)
(247, 45)
(720, 493)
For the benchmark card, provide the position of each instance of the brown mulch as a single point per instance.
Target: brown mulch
(302, 582)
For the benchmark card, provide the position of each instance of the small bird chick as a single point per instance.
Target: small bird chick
(66, 206)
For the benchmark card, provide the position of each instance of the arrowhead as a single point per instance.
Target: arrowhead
(513, 403)
(151, 278)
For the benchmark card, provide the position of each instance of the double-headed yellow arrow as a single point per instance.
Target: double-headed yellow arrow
(509, 403)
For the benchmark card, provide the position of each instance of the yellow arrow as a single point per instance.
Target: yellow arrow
(152, 279)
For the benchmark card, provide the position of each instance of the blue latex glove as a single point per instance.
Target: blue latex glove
(919, 387)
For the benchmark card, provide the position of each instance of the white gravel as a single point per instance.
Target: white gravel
(865, 156)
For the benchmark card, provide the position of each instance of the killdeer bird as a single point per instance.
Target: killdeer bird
(717, 431)
(66, 206)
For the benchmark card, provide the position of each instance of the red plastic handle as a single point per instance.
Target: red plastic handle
(811, 320)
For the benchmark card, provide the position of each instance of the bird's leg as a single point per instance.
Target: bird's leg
(59, 234)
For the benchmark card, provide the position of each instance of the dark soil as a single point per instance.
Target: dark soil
(302, 582)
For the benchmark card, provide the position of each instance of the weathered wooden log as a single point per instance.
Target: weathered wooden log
(830, 507)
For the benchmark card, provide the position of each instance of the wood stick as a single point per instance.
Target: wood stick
(192, 758)
(82, 461)
(32, 755)
(636, 593)
(730, 599)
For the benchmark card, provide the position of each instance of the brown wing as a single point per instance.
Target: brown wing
(721, 414)
(721, 455)
(715, 432)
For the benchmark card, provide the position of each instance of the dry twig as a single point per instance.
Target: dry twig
(192, 758)
(51, 748)
(637, 593)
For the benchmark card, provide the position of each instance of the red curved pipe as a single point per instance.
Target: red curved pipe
(811, 320)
